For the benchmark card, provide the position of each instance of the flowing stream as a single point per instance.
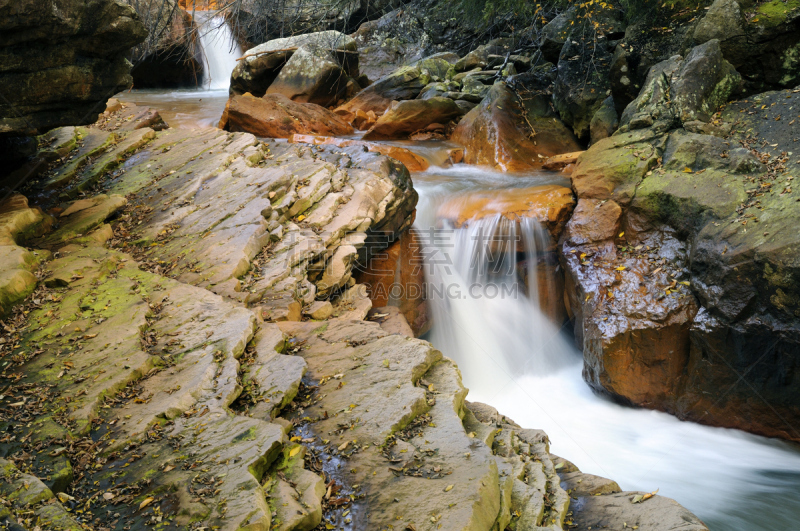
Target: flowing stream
(513, 358)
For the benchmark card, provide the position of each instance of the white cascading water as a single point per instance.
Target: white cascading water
(511, 357)
(479, 273)
(220, 51)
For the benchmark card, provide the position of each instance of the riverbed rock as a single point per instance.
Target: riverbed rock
(408, 158)
(406, 117)
(761, 41)
(325, 54)
(498, 132)
(404, 83)
(396, 277)
(17, 269)
(276, 116)
(550, 205)
(62, 60)
(667, 298)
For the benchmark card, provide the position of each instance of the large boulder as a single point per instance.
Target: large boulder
(678, 90)
(61, 59)
(403, 84)
(762, 42)
(319, 73)
(498, 131)
(276, 116)
(406, 117)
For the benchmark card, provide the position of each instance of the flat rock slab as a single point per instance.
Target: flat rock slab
(612, 511)
(404, 444)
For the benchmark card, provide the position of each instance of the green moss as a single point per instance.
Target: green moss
(774, 13)
(247, 435)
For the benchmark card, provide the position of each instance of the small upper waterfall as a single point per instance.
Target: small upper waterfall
(220, 51)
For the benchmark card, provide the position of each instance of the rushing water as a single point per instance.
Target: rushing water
(514, 359)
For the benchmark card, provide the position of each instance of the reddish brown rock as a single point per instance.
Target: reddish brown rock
(396, 277)
(635, 332)
(409, 159)
(559, 162)
(549, 286)
(276, 116)
(551, 205)
(406, 117)
(593, 221)
(496, 133)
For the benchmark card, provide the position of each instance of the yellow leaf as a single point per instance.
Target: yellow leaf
(621, 268)
(147, 501)
(583, 255)
(430, 388)
(621, 234)
(448, 488)
(295, 439)
(685, 283)
(301, 217)
(687, 170)
(294, 451)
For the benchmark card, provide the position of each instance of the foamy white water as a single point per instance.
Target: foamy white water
(513, 359)
(220, 51)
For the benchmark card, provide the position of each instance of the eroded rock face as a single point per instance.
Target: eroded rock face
(761, 41)
(61, 61)
(396, 277)
(276, 116)
(498, 132)
(674, 285)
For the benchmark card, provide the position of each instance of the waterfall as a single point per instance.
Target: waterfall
(483, 286)
(220, 51)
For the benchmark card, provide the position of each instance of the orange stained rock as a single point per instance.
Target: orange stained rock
(549, 204)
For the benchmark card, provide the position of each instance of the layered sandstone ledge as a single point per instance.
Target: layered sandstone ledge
(189, 350)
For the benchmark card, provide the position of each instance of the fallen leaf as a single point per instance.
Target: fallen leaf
(621, 268)
(169, 468)
(294, 451)
(448, 488)
(147, 501)
(108, 496)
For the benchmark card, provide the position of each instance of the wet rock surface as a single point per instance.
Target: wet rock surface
(665, 288)
(512, 133)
